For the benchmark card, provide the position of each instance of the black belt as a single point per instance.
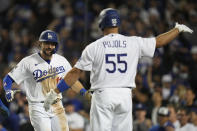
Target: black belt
(36, 101)
(120, 87)
(43, 101)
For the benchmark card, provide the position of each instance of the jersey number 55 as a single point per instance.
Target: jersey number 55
(117, 61)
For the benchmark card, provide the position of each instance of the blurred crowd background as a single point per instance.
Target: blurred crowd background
(169, 79)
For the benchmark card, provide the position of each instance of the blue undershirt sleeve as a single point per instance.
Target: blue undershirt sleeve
(7, 82)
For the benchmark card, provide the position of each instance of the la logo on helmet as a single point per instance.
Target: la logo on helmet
(50, 36)
(114, 22)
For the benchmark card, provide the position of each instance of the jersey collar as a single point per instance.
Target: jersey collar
(48, 61)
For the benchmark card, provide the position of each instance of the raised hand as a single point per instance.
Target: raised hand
(183, 28)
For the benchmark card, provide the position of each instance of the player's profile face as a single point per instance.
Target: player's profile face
(47, 48)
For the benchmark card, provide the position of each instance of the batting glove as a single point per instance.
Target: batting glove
(9, 94)
(51, 98)
(183, 28)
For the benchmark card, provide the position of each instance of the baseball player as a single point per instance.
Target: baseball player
(112, 61)
(38, 74)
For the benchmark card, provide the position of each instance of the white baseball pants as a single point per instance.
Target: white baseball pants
(53, 120)
(111, 110)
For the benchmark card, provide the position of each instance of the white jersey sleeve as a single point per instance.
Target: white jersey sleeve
(85, 62)
(147, 46)
(20, 72)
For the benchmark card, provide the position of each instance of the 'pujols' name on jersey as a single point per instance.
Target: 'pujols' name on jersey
(115, 44)
(40, 75)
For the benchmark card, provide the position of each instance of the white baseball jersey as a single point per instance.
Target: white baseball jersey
(113, 60)
(32, 72)
(187, 127)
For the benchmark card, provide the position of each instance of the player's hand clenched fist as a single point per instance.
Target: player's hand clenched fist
(183, 28)
(9, 94)
(51, 98)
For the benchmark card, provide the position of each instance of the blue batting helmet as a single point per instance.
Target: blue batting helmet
(109, 18)
(49, 36)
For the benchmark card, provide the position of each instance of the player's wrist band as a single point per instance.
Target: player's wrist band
(82, 92)
(62, 86)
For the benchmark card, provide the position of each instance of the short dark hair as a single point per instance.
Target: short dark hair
(183, 108)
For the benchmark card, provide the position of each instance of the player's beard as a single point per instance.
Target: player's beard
(48, 52)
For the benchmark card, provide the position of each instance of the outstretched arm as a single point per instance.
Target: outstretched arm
(165, 38)
(7, 85)
(70, 80)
